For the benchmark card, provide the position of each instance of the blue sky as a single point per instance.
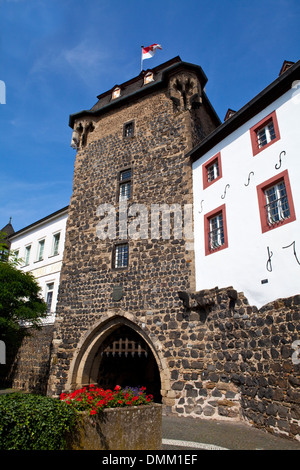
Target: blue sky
(56, 56)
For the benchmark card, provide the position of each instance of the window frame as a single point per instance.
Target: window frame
(114, 253)
(260, 125)
(207, 217)
(27, 250)
(261, 188)
(38, 258)
(205, 167)
(129, 123)
(49, 291)
(124, 182)
(53, 244)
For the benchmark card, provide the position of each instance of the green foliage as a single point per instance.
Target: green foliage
(34, 422)
(20, 299)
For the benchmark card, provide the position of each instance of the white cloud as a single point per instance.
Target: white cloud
(84, 60)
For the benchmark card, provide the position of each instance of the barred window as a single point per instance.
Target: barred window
(125, 185)
(215, 228)
(128, 130)
(277, 207)
(216, 232)
(275, 200)
(120, 256)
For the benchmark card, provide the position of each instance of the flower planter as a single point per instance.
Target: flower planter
(128, 428)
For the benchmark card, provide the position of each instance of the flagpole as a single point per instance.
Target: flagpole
(142, 59)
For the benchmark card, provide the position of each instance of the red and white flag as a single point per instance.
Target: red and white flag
(149, 51)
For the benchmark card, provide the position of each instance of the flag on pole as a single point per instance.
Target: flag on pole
(149, 51)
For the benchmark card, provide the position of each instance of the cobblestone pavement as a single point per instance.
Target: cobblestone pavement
(195, 434)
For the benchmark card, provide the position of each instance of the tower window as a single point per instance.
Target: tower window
(120, 256)
(128, 129)
(125, 185)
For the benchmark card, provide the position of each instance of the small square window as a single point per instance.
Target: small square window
(120, 256)
(125, 185)
(148, 78)
(212, 170)
(128, 129)
(265, 133)
(116, 93)
(275, 202)
(215, 229)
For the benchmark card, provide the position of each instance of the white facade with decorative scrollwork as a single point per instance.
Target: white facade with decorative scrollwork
(247, 198)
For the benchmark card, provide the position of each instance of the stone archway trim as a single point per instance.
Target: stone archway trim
(88, 345)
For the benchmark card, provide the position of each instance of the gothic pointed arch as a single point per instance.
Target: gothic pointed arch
(91, 362)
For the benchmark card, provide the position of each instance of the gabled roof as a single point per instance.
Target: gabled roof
(272, 92)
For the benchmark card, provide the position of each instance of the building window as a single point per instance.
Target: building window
(125, 185)
(27, 255)
(212, 170)
(49, 296)
(55, 244)
(265, 133)
(215, 228)
(275, 202)
(120, 256)
(116, 93)
(128, 130)
(148, 78)
(41, 246)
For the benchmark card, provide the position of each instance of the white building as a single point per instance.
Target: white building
(40, 247)
(246, 183)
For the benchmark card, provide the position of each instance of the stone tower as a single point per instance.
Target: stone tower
(128, 260)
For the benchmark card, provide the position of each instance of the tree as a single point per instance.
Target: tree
(20, 300)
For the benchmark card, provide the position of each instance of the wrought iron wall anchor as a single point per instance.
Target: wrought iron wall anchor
(251, 173)
(294, 250)
(269, 263)
(201, 207)
(277, 166)
(223, 195)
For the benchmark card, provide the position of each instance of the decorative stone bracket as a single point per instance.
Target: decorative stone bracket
(80, 133)
(185, 91)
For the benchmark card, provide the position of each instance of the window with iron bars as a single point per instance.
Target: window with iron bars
(216, 236)
(125, 185)
(121, 253)
(128, 130)
(277, 207)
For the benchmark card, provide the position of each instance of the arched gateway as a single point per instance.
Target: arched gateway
(116, 351)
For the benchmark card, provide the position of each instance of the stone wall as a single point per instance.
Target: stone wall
(237, 362)
(27, 367)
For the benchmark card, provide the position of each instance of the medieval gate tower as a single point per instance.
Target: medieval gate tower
(128, 260)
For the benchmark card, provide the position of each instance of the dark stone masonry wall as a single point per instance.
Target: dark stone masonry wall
(238, 362)
(28, 363)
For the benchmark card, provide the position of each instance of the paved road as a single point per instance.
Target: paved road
(197, 434)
